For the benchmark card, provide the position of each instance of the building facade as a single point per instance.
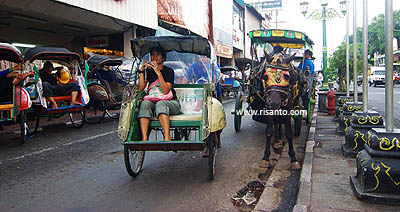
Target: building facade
(100, 26)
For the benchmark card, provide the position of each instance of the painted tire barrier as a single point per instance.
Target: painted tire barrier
(356, 133)
(348, 109)
(378, 168)
(339, 109)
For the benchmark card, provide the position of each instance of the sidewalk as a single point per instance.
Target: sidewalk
(324, 181)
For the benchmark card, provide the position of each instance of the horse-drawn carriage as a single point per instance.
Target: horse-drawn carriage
(278, 91)
(201, 116)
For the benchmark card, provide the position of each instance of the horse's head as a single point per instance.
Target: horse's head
(278, 75)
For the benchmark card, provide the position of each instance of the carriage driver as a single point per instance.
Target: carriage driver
(308, 64)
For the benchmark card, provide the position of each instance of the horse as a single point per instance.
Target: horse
(275, 80)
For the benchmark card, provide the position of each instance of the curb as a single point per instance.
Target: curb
(304, 195)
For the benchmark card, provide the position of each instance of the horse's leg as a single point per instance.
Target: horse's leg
(288, 129)
(278, 143)
(267, 151)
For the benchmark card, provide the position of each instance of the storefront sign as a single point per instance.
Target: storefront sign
(267, 5)
(192, 15)
(97, 42)
(223, 50)
(222, 25)
(237, 37)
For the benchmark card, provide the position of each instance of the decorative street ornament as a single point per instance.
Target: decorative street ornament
(357, 132)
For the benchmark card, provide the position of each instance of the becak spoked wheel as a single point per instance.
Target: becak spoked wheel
(133, 161)
(22, 117)
(297, 125)
(212, 151)
(77, 118)
(95, 112)
(238, 113)
(309, 114)
(32, 118)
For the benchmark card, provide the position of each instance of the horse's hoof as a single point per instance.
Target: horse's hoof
(264, 164)
(277, 145)
(295, 166)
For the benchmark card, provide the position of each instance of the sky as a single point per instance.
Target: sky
(290, 17)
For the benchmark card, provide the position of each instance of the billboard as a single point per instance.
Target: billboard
(189, 14)
(222, 27)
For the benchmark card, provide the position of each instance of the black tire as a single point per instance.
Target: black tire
(95, 112)
(309, 111)
(212, 150)
(133, 167)
(23, 133)
(77, 118)
(374, 84)
(238, 118)
(297, 125)
(32, 118)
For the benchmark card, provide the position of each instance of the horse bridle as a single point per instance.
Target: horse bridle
(285, 91)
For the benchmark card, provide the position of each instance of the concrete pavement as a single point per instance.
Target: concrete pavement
(324, 181)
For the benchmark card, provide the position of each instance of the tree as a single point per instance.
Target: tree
(376, 36)
(376, 32)
(337, 65)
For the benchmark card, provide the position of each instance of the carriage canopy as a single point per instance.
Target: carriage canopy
(186, 55)
(285, 38)
(50, 53)
(103, 60)
(10, 53)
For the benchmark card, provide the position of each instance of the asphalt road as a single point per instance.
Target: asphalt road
(65, 169)
(376, 101)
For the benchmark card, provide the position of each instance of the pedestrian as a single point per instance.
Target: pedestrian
(320, 79)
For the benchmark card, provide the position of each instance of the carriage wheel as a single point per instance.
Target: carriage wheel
(238, 117)
(95, 112)
(78, 118)
(114, 114)
(32, 118)
(309, 114)
(133, 161)
(22, 117)
(212, 150)
(297, 125)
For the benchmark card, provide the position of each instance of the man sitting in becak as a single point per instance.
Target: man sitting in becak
(8, 78)
(51, 86)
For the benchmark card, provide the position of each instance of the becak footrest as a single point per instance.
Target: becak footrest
(60, 98)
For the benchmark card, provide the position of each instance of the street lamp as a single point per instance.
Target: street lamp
(323, 14)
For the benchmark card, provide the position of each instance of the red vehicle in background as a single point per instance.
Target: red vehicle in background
(396, 78)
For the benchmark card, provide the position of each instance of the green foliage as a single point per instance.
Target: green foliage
(376, 36)
(337, 64)
(376, 32)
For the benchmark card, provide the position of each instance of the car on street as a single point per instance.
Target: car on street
(377, 76)
(359, 80)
